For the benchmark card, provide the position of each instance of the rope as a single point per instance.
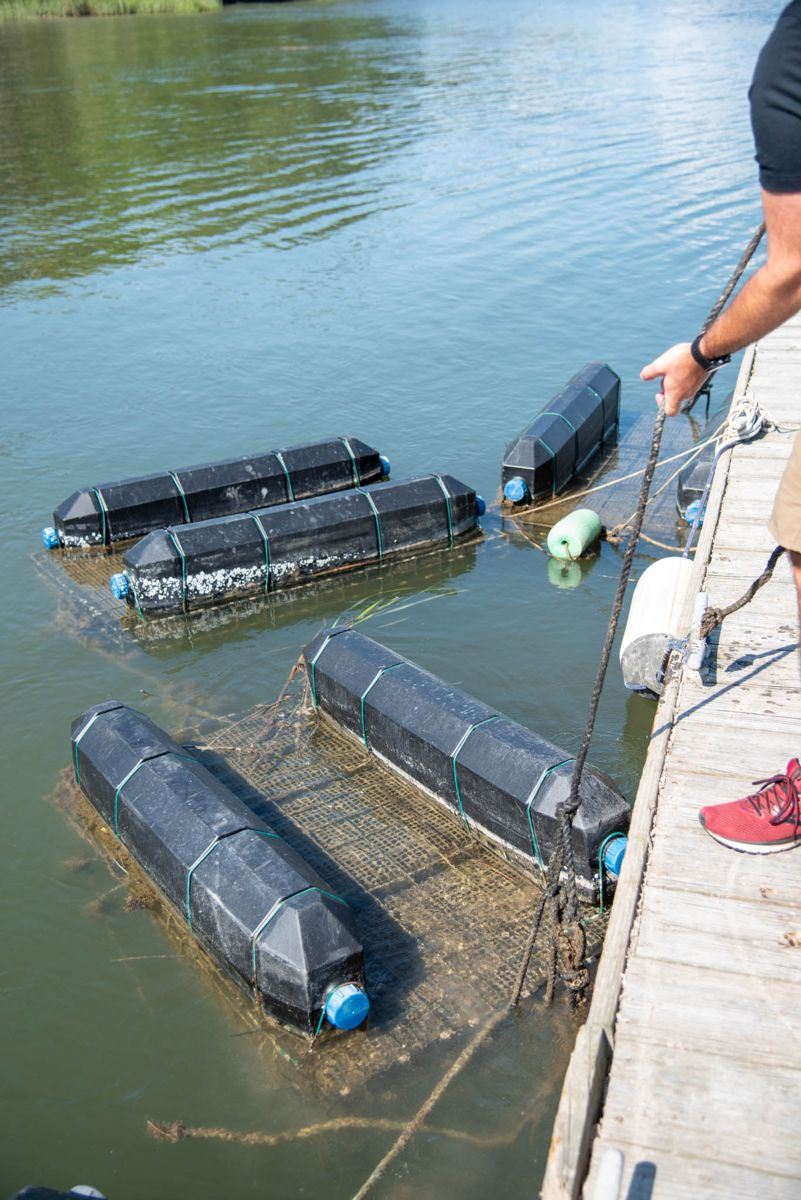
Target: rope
(560, 897)
(454, 756)
(716, 616)
(174, 477)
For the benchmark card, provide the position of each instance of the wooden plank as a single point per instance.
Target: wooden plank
(652, 1175)
(689, 1102)
(739, 936)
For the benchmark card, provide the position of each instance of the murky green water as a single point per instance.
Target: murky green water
(407, 221)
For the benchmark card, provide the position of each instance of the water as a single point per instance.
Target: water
(410, 222)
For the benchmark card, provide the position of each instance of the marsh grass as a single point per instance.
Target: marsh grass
(19, 10)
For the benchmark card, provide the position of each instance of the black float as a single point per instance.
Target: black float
(500, 779)
(130, 508)
(546, 456)
(248, 897)
(183, 568)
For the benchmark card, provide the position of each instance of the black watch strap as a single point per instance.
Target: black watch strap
(709, 364)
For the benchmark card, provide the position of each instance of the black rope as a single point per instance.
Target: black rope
(716, 616)
(560, 897)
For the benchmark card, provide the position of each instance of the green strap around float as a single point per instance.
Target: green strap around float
(213, 844)
(174, 477)
(173, 536)
(132, 772)
(313, 664)
(276, 908)
(570, 426)
(454, 756)
(357, 480)
(447, 496)
(78, 737)
(377, 519)
(266, 541)
(532, 796)
(105, 523)
(290, 491)
(367, 691)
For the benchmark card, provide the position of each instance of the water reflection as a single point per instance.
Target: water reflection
(137, 139)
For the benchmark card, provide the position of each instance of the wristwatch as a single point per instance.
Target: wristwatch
(709, 364)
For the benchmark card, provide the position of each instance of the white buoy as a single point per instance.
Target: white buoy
(655, 619)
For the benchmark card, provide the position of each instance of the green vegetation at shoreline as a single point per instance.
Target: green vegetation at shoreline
(19, 10)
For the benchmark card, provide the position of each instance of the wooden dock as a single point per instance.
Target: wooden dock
(688, 1069)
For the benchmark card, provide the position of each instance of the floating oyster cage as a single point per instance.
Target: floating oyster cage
(548, 454)
(497, 779)
(248, 897)
(178, 569)
(129, 508)
(442, 919)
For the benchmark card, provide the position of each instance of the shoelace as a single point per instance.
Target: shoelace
(783, 790)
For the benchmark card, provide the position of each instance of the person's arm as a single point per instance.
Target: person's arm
(771, 296)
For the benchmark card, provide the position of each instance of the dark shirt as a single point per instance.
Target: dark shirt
(775, 97)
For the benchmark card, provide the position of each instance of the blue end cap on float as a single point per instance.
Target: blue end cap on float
(119, 586)
(50, 538)
(347, 1006)
(516, 490)
(386, 465)
(481, 505)
(692, 511)
(614, 853)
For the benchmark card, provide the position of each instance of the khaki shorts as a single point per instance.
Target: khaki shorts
(785, 520)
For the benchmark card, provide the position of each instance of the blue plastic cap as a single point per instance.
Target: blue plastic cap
(692, 512)
(516, 490)
(386, 465)
(50, 538)
(481, 505)
(614, 853)
(119, 586)
(347, 1006)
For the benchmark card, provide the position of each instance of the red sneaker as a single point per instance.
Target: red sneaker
(766, 821)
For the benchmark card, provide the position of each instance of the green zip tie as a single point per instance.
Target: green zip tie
(447, 496)
(455, 755)
(105, 527)
(319, 1024)
(204, 855)
(174, 477)
(532, 797)
(610, 837)
(553, 462)
(379, 541)
(78, 737)
(367, 691)
(313, 666)
(290, 491)
(266, 541)
(279, 904)
(357, 482)
(132, 772)
(570, 426)
(174, 537)
(595, 392)
(132, 583)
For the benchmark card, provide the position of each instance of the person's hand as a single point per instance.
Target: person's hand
(680, 374)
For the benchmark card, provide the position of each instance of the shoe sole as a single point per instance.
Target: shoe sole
(752, 847)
